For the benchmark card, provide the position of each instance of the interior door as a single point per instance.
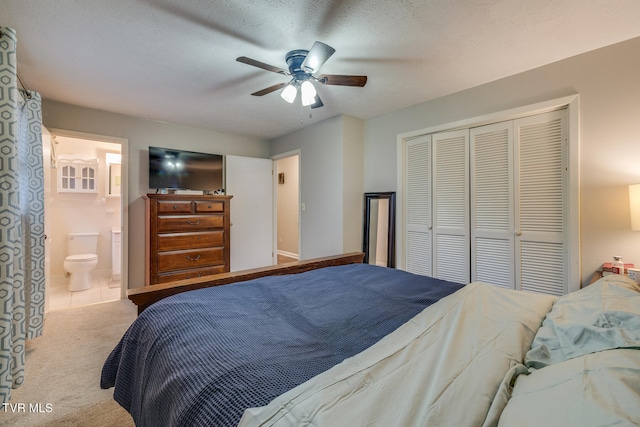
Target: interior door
(541, 195)
(250, 181)
(418, 248)
(451, 206)
(492, 205)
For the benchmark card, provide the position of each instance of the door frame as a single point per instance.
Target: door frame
(298, 153)
(124, 196)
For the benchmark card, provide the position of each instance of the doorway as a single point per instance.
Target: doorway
(99, 210)
(287, 206)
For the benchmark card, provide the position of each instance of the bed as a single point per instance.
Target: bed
(358, 344)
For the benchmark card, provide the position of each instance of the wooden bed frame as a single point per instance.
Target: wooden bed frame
(144, 297)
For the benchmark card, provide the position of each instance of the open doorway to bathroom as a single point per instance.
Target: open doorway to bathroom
(85, 195)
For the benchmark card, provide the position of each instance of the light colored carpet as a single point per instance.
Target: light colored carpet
(62, 374)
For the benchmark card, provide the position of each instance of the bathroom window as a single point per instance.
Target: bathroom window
(77, 175)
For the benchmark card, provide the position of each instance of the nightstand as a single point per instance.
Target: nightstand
(595, 277)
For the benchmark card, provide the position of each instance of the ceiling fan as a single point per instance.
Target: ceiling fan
(303, 64)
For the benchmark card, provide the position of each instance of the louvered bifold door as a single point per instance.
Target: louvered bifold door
(418, 237)
(541, 180)
(451, 206)
(492, 205)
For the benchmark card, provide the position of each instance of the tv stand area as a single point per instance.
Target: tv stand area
(187, 236)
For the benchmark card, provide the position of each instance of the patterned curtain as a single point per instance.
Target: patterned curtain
(21, 219)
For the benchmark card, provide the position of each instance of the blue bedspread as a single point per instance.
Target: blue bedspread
(201, 358)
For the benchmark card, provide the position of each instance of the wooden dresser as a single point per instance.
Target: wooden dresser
(186, 236)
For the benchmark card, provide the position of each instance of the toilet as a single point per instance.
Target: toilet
(81, 259)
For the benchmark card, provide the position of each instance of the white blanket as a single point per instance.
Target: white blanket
(445, 367)
(593, 390)
(584, 363)
(602, 316)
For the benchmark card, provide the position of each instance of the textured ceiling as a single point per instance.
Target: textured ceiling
(174, 61)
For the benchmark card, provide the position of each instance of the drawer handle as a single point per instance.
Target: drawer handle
(175, 207)
(193, 259)
(193, 222)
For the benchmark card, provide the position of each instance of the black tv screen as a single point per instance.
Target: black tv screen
(185, 170)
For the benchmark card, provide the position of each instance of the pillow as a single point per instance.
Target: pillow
(604, 315)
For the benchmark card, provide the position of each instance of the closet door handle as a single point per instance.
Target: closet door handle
(193, 259)
(193, 222)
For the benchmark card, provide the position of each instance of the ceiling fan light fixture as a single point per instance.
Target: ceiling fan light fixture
(302, 65)
(308, 93)
(289, 93)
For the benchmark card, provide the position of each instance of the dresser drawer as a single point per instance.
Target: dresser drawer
(179, 260)
(189, 222)
(190, 274)
(177, 241)
(203, 206)
(175, 206)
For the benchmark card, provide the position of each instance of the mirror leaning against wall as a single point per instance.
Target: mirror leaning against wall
(379, 229)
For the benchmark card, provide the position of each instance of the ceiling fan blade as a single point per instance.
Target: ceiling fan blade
(269, 89)
(318, 102)
(262, 65)
(340, 80)
(317, 56)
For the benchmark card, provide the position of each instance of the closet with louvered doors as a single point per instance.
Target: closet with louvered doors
(518, 203)
(489, 204)
(437, 205)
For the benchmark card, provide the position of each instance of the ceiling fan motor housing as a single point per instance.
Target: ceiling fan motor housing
(294, 59)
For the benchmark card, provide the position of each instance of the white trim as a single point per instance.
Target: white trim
(124, 200)
(573, 209)
(288, 254)
(487, 119)
(572, 103)
(401, 215)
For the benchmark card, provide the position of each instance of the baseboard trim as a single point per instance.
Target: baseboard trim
(288, 254)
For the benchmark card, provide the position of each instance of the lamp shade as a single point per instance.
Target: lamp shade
(634, 203)
(289, 93)
(307, 93)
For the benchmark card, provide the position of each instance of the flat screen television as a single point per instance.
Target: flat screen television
(174, 169)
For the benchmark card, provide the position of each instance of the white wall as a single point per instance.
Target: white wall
(141, 134)
(353, 185)
(609, 87)
(326, 183)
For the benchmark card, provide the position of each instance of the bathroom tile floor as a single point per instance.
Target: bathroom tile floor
(102, 289)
